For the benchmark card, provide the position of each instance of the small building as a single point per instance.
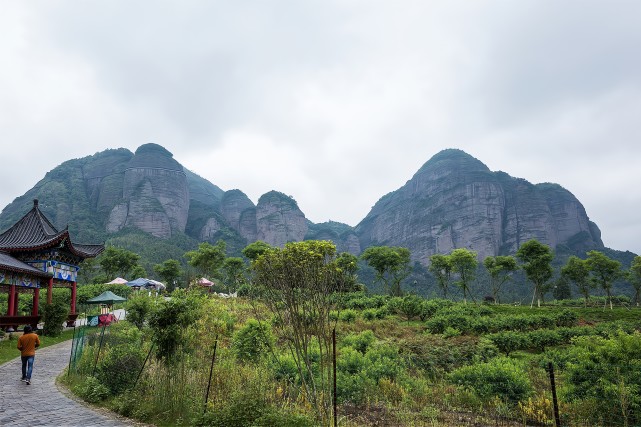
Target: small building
(34, 255)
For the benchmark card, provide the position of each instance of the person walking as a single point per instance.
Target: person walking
(27, 345)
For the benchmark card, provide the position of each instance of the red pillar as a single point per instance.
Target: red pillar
(50, 291)
(11, 299)
(36, 301)
(15, 301)
(73, 298)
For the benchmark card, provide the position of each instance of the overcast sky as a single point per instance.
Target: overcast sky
(335, 103)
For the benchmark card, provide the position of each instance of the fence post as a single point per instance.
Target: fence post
(211, 370)
(102, 336)
(73, 341)
(143, 364)
(334, 401)
(557, 418)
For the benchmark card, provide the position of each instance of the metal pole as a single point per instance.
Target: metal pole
(143, 364)
(102, 336)
(73, 339)
(557, 418)
(211, 370)
(334, 401)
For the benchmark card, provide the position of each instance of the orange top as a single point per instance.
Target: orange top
(27, 344)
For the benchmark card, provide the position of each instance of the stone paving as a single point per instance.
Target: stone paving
(41, 403)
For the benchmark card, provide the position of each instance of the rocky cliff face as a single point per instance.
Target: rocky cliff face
(455, 201)
(155, 194)
(279, 220)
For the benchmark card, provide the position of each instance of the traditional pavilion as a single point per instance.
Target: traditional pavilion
(35, 255)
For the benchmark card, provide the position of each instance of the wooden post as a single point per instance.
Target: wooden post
(557, 418)
(334, 401)
(211, 371)
(50, 291)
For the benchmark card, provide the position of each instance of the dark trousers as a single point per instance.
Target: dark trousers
(27, 366)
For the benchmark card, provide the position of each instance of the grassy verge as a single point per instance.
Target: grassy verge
(8, 350)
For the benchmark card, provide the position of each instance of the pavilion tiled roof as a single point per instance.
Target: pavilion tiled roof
(9, 263)
(34, 231)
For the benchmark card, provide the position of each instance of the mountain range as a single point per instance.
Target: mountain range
(452, 201)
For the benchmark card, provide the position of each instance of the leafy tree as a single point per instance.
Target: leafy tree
(54, 316)
(255, 249)
(536, 258)
(138, 271)
(170, 322)
(392, 265)
(297, 283)
(89, 269)
(169, 272)
(562, 289)
(500, 269)
(208, 258)
(117, 262)
(604, 271)
(576, 271)
(464, 265)
(441, 268)
(138, 310)
(348, 263)
(234, 272)
(634, 274)
(253, 341)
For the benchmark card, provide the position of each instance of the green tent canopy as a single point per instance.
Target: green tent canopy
(107, 297)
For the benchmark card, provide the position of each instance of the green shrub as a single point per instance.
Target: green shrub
(170, 320)
(241, 409)
(566, 318)
(509, 341)
(543, 338)
(410, 306)
(54, 315)
(252, 341)
(605, 372)
(500, 377)
(348, 315)
(282, 418)
(369, 314)
(450, 332)
(384, 361)
(92, 390)
(360, 342)
(119, 368)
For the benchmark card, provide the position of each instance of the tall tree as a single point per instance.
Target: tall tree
(464, 263)
(604, 271)
(169, 272)
(441, 268)
(255, 249)
(536, 258)
(297, 283)
(392, 265)
(117, 262)
(208, 259)
(348, 264)
(576, 271)
(234, 272)
(634, 275)
(500, 269)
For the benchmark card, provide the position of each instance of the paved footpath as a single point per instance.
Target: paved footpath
(41, 403)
